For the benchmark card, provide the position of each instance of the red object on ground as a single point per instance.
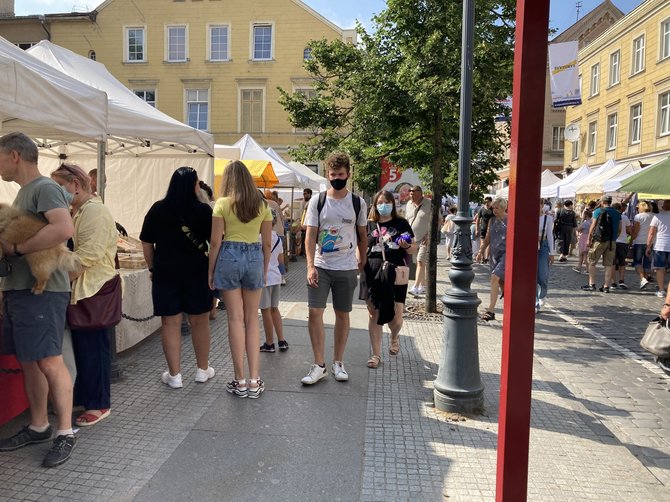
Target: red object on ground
(530, 68)
(13, 399)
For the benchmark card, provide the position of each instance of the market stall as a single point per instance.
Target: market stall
(548, 178)
(556, 190)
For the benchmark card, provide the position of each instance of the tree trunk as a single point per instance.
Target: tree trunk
(437, 186)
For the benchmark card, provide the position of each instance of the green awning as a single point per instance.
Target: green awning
(652, 182)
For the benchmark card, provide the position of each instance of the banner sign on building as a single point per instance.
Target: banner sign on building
(564, 74)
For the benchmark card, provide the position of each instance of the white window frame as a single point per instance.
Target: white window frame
(615, 68)
(126, 44)
(575, 150)
(557, 138)
(664, 113)
(168, 30)
(638, 55)
(595, 79)
(145, 90)
(664, 40)
(210, 27)
(187, 102)
(593, 137)
(612, 131)
(240, 106)
(635, 124)
(252, 40)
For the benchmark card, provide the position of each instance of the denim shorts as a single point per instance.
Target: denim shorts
(661, 261)
(239, 265)
(640, 258)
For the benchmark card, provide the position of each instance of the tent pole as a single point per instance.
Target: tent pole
(102, 148)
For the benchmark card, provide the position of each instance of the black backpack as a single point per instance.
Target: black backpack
(604, 230)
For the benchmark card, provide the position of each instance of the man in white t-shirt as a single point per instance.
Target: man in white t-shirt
(621, 252)
(333, 233)
(418, 213)
(660, 230)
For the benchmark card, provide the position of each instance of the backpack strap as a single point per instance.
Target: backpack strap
(276, 244)
(355, 200)
(319, 208)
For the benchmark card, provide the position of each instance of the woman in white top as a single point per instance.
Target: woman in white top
(641, 225)
(545, 257)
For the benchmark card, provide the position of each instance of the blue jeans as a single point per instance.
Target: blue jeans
(239, 265)
(542, 272)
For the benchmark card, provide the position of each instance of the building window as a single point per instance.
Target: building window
(638, 54)
(595, 79)
(176, 43)
(635, 124)
(262, 42)
(307, 54)
(664, 113)
(218, 43)
(615, 73)
(612, 122)
(593, 137)
(147, 95)
(665, 39)
(135, 45)
(557, 139)
(197, 108)
(575, 150)
(251, 107)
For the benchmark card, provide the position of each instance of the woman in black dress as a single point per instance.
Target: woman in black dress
(174, 238)
(385, 228)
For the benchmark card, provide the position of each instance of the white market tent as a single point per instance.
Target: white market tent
(45, 104)
(309, 178)
(614, 184)
(143, 145)
(570, 189)
(547, 178)
(595, 184)
(555, 189)
(251, 150)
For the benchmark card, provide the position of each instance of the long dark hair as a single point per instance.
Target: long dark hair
(181, 191)
(374, 214)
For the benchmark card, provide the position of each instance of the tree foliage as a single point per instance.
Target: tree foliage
(397, 94)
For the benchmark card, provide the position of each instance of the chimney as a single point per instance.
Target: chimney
(6, 8)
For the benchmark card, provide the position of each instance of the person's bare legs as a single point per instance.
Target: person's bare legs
(200, 337)
(495, 288)
(374, 330)
(660, 278)
(235, 313)
(420, 274)
(59, 385)
(592, 273)
(341, 332)
(251, 298)
(609, 275)
(268, 326)
(37, 392)
(277, 323)
(317, 334)
(395, 326)
(171, 339)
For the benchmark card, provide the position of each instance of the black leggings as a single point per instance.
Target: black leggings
(565, 238)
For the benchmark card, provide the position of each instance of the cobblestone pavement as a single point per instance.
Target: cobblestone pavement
(600, 416)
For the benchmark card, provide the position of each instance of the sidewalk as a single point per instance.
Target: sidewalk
(600, 419)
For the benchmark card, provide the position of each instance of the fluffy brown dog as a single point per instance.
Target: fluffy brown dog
(16, 227)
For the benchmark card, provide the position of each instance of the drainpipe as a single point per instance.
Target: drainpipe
(42, 19)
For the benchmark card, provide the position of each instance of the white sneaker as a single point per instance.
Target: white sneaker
(643, 283)
(340, 373)
(203, 375)
(315, 374)
(661, 294)
(421, 290)
(174, 382)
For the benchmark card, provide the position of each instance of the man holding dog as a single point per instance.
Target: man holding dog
(33, 325)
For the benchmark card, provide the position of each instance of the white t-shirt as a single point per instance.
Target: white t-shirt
(661, 222)
(336, 240)
(623, 236)
(274, 276)
(644, 219)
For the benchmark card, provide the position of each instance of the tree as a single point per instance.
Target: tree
(397, 94)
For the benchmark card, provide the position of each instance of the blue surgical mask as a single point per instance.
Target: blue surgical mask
(69, 197)
(385, 209)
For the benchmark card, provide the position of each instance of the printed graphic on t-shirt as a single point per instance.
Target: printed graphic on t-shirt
(330, 240)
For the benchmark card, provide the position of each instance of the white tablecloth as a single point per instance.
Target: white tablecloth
(137, 304)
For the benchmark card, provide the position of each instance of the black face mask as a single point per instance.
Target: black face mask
(338, 184)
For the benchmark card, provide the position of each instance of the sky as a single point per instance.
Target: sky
(344, 13)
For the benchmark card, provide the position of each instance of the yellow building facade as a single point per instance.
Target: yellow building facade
(213, 64)
(625, 83)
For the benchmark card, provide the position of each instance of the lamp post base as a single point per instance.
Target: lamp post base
(466, 404)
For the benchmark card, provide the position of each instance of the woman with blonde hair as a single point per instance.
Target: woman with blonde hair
(238, 266)
(641, 226)
(496, 240)
(94, 241)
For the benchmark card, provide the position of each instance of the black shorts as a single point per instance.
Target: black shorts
(177, 292)
(621, 254)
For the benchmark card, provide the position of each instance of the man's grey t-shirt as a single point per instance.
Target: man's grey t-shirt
(419, 217)
(37, 197)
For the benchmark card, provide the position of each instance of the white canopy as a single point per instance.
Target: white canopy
(130, 118)
(595, 184)
(548, 178)
(555, 190)
(251, 150)
(614, 184)
(570, 190)
(316, 183)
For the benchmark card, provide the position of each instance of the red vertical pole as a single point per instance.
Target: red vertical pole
(530, 68)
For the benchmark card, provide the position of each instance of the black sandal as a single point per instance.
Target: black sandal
(487, 316)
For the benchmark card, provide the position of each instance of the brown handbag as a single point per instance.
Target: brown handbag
(100, 311)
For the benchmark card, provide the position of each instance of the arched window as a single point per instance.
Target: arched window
(91, 55)
(307, 54)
